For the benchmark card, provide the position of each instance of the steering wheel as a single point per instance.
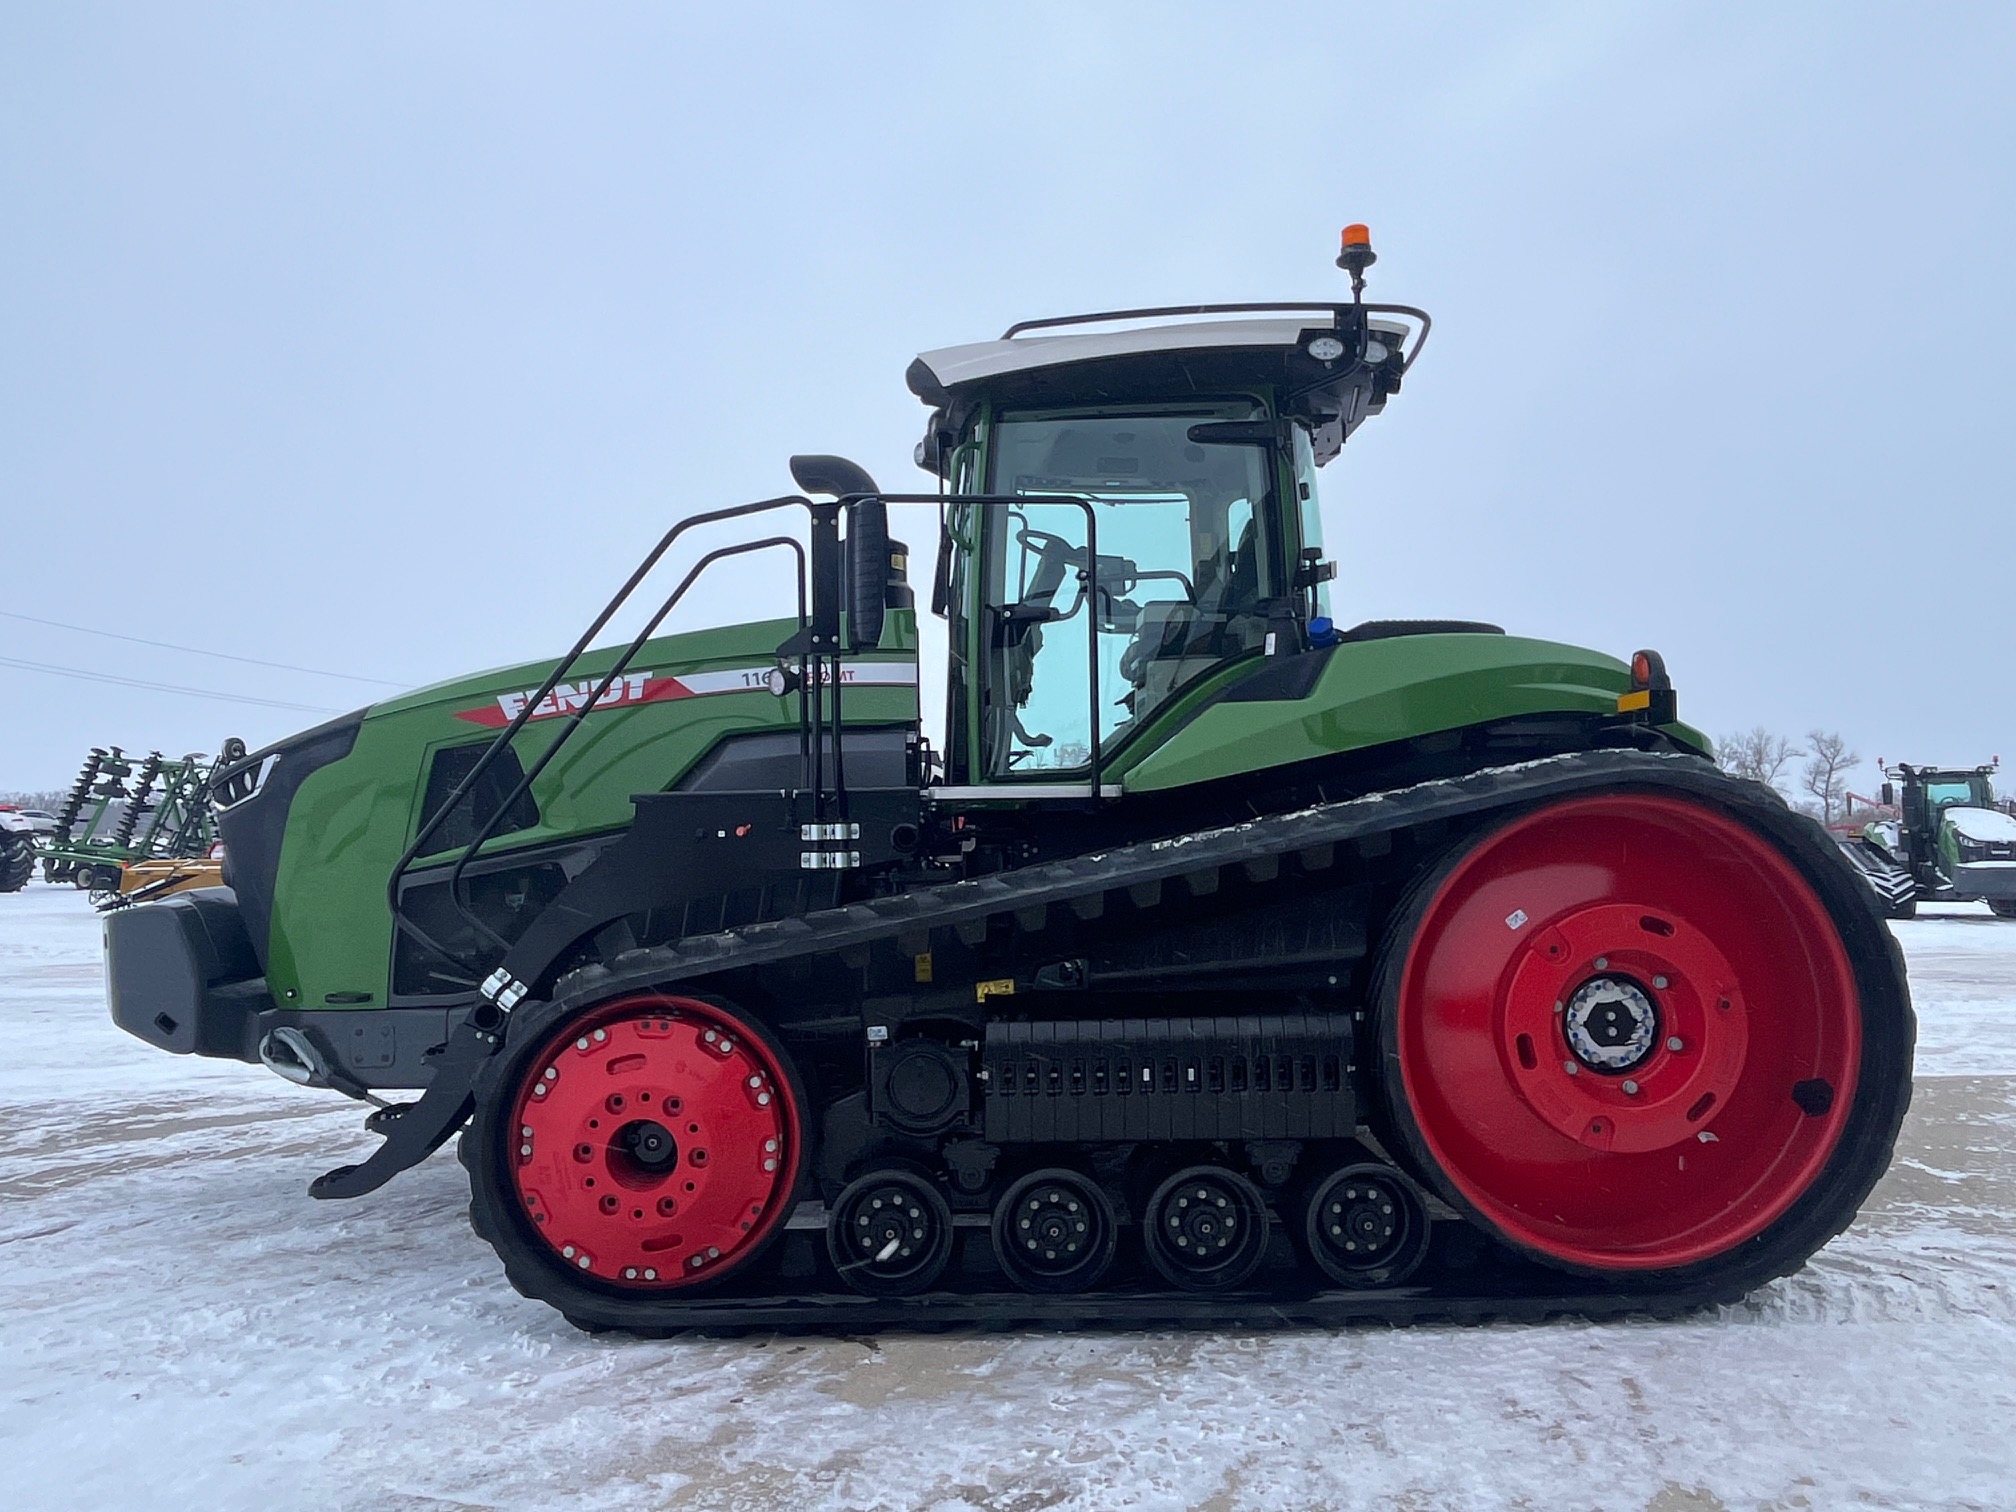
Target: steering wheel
(1046, 544)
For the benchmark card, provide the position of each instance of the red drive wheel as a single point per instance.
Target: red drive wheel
(654, 1142)
(1624, 1033)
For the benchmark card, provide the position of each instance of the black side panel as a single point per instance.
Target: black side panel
(1388, 629)
(773, 762)
(253, 829)
(1283, 680)
(1275, 1076)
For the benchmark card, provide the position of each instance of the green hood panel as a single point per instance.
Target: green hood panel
(350, 821)
(1375, 692)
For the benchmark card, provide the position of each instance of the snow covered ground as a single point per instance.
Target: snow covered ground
(181, 1327)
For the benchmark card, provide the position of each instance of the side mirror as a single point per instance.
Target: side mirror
(1889, 795)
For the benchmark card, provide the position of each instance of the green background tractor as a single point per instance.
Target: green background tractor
(1225, 963)
(1952, 840)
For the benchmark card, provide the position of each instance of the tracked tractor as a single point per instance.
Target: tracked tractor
(1950, 842)
(1230, 962)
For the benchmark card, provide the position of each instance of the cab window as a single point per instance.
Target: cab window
(1155, 566)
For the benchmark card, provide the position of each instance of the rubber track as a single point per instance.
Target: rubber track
(1061, 882)
(1524, 1292)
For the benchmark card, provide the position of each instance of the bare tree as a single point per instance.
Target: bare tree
(1828, 762)
(1756, 754)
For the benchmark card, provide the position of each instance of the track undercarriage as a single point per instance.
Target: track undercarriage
(1216, 1078)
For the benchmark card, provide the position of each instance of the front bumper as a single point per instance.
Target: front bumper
(182, 976)
(1993, 880)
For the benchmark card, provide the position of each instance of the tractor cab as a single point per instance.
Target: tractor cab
(1928, 792)
(1132, 516)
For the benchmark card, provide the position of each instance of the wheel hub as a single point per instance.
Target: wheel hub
(1202, 1222)
(889, 1226)
(1611, 1024)
(1052, 1226)
(655, 1143)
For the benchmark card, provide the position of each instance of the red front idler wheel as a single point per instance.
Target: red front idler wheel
(654, 1142)
(1622, 1032)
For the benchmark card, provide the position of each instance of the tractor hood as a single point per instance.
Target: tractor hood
(1986, 825)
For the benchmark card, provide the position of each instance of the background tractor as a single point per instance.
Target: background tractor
(1225, 965)
(1951, 841)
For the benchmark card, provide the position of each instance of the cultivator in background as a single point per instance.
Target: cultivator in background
(123, 812)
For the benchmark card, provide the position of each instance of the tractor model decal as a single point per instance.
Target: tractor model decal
(659, 687)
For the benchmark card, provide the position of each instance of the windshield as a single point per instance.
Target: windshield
(1186, 568)
(1971, 792)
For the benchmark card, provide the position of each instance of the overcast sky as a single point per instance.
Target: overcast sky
(384, 339)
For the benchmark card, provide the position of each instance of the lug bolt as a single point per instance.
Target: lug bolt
(1570, 1067)
(581, 1043)
(1658, 981)
(601, 1034)
(1602, 963)
(1676, 1044)
(1631, 1089)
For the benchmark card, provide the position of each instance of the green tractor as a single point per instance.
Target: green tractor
(1951, 842)
(1226, 965)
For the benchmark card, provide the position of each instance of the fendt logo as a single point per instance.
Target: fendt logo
(658, 687)
(568, 697)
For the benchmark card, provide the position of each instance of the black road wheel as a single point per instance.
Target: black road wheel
(1205, 1228)
(1055, 1231)
(2005, 908)
(17, 862)
(1365, 1226)
(890, 1233)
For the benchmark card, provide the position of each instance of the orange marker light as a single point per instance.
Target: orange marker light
(1357, 236)
(1641, 671)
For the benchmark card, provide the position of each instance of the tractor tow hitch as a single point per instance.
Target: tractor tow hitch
(424, 1126)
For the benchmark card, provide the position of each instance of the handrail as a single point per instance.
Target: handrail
(498, 814)
(560, 670)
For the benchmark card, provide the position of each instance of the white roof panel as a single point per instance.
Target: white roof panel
(990, 359)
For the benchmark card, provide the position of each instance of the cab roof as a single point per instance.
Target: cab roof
(1169, 354)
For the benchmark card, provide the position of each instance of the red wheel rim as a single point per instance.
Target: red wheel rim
(1649, 1153)
(654, 1143)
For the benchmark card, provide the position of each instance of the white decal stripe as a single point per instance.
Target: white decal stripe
(749, 679)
